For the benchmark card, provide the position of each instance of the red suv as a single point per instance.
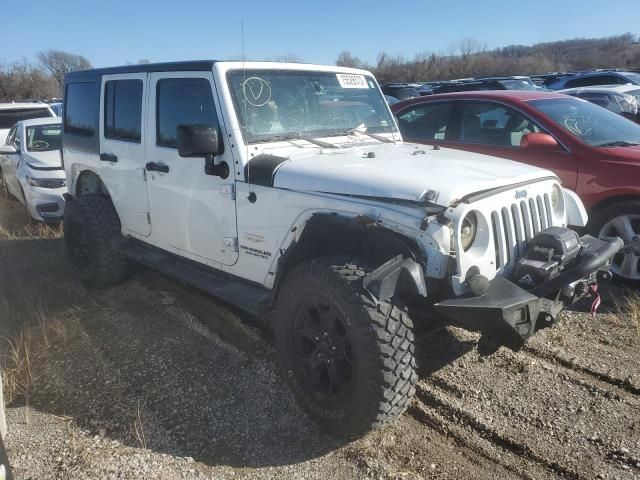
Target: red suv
(595, 152)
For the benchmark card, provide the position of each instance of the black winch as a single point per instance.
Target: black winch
(548, 253)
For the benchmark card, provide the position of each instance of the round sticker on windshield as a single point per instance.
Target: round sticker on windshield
(257, 91)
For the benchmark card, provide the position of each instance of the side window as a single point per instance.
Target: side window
(182, 101)
(123, 110)
(11, 136)
(601, 99)
(494, 124)
(426, 122)
(81, 109)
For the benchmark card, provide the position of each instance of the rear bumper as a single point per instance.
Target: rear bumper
(511, 315)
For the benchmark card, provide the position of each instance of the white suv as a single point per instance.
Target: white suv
(287, 188)
(31, 169)
(13, 112)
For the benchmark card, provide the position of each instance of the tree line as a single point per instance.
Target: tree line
(472, 59)
(42, 79)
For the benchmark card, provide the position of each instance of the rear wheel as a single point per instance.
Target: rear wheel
(91, 228)
(348, 359)
(622, 220)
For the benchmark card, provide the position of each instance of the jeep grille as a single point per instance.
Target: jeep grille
(515, 225)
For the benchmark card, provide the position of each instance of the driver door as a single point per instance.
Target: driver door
(193, 214)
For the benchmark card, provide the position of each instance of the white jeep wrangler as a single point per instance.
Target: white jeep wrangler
(287, 188)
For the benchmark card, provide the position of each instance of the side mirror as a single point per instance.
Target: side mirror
(538, 141)
(202, 141)
(198, 141)
(8, 149)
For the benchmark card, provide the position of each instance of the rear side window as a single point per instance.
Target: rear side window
(81, 109)
(594, 80)
(8, 118)
(426, 122)
(123, 110)
(183, 101)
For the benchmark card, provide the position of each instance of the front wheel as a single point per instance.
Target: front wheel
(622, 220)
(348, 359)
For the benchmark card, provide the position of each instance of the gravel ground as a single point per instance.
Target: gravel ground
(153, 380)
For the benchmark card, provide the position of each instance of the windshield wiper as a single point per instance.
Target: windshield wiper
(380, 138)
(618, 143)
(297, 136)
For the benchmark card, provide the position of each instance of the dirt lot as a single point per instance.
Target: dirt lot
(151, 379)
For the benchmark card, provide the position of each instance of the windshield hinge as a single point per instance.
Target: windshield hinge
(228, 190)
(230, 243)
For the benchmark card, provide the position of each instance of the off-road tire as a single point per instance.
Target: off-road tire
(98, 264)
(383, 347)
(599, 220)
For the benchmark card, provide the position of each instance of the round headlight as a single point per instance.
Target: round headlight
(557, 199)
(468, 231)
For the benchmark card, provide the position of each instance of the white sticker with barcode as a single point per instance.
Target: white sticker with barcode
(352, 81)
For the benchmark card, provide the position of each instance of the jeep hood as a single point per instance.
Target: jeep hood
(401, 172)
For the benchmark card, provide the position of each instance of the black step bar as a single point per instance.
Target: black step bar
(247, 296)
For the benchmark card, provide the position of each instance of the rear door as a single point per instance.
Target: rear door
(122, 147)
(193, 213)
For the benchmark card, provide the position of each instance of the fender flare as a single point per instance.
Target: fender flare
(398, 274)
(576, 213)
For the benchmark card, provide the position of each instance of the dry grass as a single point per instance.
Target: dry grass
(36, 289)
(627, 305)
(138, 426)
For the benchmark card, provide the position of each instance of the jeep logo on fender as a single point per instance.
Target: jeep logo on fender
(521, 194)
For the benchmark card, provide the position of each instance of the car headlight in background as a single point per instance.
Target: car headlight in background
(46, 182)
(468, 230)
(557, 199)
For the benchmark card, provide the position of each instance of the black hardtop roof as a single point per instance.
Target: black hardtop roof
(194, 65)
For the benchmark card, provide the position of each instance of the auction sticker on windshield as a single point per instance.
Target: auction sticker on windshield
(351, 81)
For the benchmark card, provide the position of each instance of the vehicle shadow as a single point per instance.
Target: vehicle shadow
(149, 364)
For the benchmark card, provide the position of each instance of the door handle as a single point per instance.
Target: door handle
(108, 157)
(157, 167)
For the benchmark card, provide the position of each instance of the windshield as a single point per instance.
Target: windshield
(42, 138)
(284, 104)
(592, 124)
(8, 118)
(634, 93)
(518, 84)
(404, 93)
(634, 77)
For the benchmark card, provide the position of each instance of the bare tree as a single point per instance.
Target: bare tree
(22, 80)
(59, 62)
(345, 59)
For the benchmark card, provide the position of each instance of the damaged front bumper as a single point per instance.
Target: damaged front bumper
(510, 315)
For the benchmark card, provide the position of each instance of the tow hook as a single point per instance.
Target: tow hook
(593, 291)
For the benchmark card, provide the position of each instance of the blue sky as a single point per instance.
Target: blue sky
(115, 32)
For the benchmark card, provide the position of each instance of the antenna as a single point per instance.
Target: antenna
(252, 195)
